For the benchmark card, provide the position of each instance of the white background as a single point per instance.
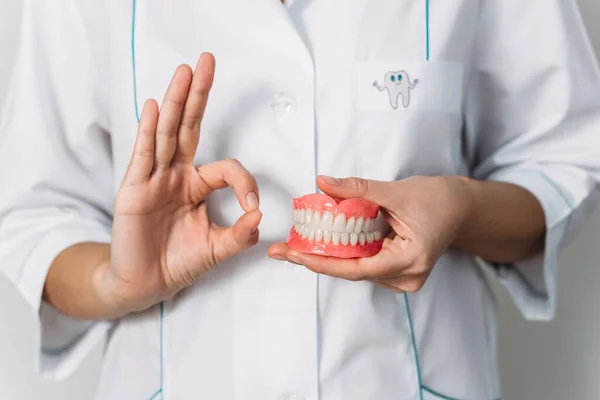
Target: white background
(550, 361)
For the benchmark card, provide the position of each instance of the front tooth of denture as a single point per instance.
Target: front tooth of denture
(308, 216)
(353, 238)
(370, 237)
(318, 234)
(360, 222)
(316, 219)
(327, 221)
(345, 238)
(365, 226)
(339, 223)
(335, 238)
(377, 235)
(327, 236)
(350, 224)
(304, 231)
(301, 216)
(311, 233)
(362, 238)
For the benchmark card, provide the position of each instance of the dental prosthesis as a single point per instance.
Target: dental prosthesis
(345, 229)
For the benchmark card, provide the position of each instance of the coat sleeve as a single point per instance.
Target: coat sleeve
(533, 120)
(55, 165)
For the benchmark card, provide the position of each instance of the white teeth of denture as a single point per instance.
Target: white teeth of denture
(319, 235)
(338, 230)
(350, 224)
(339, 223)
(316, 220)
(327, 221)
(335, 238)
(308, 216)
(327, 237)
(362, 238)
(345, 238)
(353, 238)
(359, 224)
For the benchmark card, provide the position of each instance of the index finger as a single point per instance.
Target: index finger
(230, 173)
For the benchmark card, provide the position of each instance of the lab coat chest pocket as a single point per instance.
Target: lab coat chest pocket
(409, 118)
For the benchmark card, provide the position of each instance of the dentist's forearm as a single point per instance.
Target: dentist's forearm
(72, 284)
(505, 223)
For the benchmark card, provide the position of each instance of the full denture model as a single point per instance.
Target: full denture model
(344, 229)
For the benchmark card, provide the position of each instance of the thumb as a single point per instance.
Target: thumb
(377, 192)
(241, 236)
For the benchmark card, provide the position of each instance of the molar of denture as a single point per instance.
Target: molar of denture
(377, 235)
(301, 216)
(370, 237)
(327, 236)
(339, 223)
(327, 221)
(360, 222)
(353, 238)
(335, 238)
(350, 224)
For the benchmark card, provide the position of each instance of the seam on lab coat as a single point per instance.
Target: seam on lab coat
(443, 396)
(137, 116)
(159, 391)
(427, 30)
(562, 194)
(135, 97)
(414, 345)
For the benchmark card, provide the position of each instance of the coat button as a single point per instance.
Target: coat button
(283, 103)
(292, 396)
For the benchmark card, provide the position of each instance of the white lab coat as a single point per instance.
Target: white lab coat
(507, 90)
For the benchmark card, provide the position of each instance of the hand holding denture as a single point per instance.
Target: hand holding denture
(425, 215)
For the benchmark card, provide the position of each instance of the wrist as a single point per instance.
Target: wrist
(468, 191)
(109, 302)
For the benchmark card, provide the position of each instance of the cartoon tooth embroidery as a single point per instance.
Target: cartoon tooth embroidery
(397, 84)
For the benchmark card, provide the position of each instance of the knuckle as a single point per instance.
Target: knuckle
(202, 91)
(191, 122)
(143, 153)
(178, 101)
(361, 185)
(233, 162)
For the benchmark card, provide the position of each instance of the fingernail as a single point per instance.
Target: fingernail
(252, 201)
(278, 257)
(253, 231)
(331, 180)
